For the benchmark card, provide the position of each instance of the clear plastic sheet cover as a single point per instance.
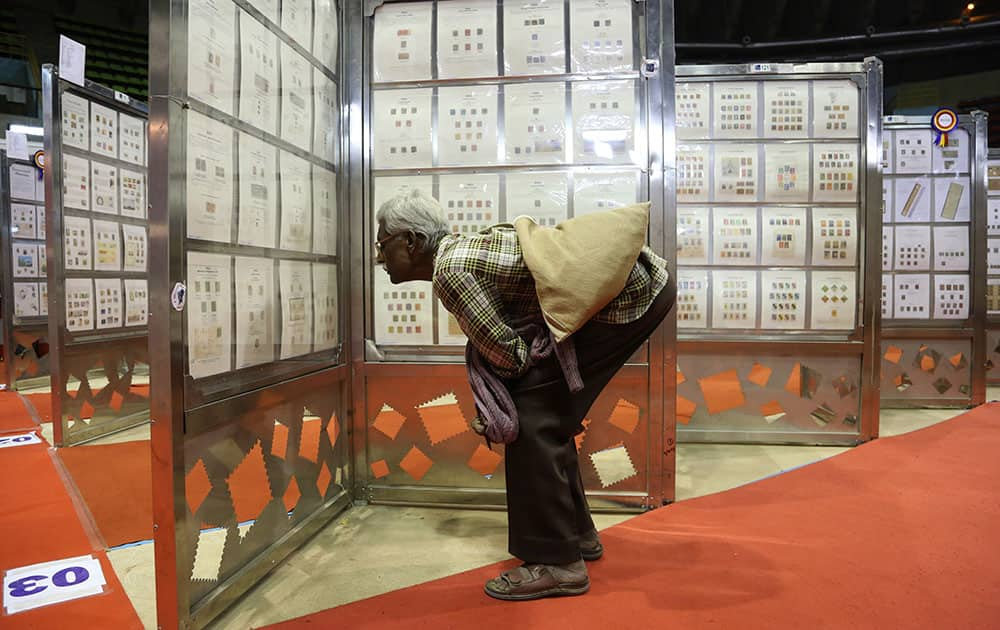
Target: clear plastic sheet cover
(836, 106)
(783, 295)
(783, 237)
(211, 55)
(467, 125)
(403, 314)
(296, 203)
(598, 191)
(471, 203)
(734, 236)
(209, 178)
(912, 151)
(786, 109)
(542, 196)
(75, 121)
(258, 75)
(402, 46)
(467, 39)
(258, 192)
(326, 307)
(324, 211)
(296, 20)
(22, 182)
(693, 172)
(736, 172)
(255, 310)
(326, 32)
(209, 315)
(402, 119)
(786, 172)
(736, 104)
(601, 36)
(604, 120)
(834, 300)
(535, 123)
(325, 122)
(296, 98)
(835, 237)
(734, 299)
(109, 303)
(534, 37)
(911, 295)
(836, 172)
(295, 287)
(951, 296)
(693, 110)
(692, 235)
(26, 303)
(692, 298)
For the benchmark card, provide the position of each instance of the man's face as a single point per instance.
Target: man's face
(394, 254)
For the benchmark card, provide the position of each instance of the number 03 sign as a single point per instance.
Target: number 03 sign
(54, 582)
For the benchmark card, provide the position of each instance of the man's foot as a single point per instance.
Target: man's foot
(535, 581)
(590, 546)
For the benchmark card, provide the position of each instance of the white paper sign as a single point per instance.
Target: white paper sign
(37, 585)
(72, 60)
(20, 439)
(17, 145)
(22, 181)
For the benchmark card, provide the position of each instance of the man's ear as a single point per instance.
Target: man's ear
(412, 240)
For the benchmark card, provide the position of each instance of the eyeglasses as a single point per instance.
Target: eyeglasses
(382, 241)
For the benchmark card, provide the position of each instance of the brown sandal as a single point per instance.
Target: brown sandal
(533, 581)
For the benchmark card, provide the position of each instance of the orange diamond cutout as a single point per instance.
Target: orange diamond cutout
(685, 409)
(681, 379)
(927, 363)
(389, 422)
(956, 361)
(484, 461)
(279, 440)
(86, 411)
(333, 429)
(416, 464)
(722, 391)
(578, 438)
(248, 485)
(625, 416)
(309, 445)
(759, 375)
(197, 485)
(323, 481)
(442, 418)
(116, 401)
(292, 495)
(380, 469)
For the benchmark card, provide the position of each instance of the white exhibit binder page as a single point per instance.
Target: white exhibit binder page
(324, 213)
(834, 300)
(912, 199)
(79, 304)
(786, 109)
(786, 172)
(402, 42)
(76, 182)
(467, 39)
(951, 199)
(385, 188)
(912, 295)
(108, 313)
(132, 139)
(326, 307)
(604, 120)
(693, 110)
(912, 151)
(22, 182)
(76, 243)
(258, 191)
(734, 299)
(535, 123)
(835, 237)
(597, 191)
(951, 296)
(107, 246)
(835, 109)
(258, 75)
(325, 109)
(783, 300)
(297, 19)
(295, 288)
(211, 54)
(326, 32)
(951, 248)
(403, 129)
(736, 172)
(296, 98)
(136, 302)
(103, 131)
(954, 156)
(296, 203)
(835, 172)
(693, 172)
(210, 146)
(692, 235)
(533, 37)
(467, 125)
(254, 288)
(75, 121)
(471, 203)
(734, 236)
(103, 187)
(542, 196)
(26, 299)
(132, 185)
(600, 35)
(135, 247)
(692, 298)
(913, 248)
(209, 313)
(783, 237)
(403, 313)
(735, 110)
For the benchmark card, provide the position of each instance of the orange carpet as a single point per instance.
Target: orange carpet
(115, 482)
(14, 416)
(898, 533)
(38, 523)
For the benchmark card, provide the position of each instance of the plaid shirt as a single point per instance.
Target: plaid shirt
(483, 281)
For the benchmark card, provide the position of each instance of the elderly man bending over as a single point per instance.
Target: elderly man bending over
(484, 282)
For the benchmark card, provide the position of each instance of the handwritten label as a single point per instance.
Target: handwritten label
(21, 439)
(37, 585)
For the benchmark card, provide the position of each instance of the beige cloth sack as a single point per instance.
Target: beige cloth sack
(583, 263)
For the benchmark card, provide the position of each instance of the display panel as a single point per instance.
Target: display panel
(600, 35)
(467, 39)
(467, 125)
(542, 196)
(535, 123)
(533, 37)
(402, 42)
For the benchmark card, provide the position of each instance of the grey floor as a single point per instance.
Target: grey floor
(420, 544)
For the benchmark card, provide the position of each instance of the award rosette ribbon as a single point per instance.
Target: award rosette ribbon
(944, 120)
(39, 160)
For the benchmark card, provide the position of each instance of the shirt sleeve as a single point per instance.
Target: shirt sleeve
(479, 310)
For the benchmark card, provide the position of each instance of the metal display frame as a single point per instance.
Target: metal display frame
(972, 329)
(88, 357)
(25, 339)
(991, 351)
(708, 349)
(276, 424)
(383, 371)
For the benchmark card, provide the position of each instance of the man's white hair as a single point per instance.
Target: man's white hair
(415, 212)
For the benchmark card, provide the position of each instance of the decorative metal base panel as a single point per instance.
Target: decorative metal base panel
(993, 356)
(933, 370)
(418, 437)
(762, 396)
